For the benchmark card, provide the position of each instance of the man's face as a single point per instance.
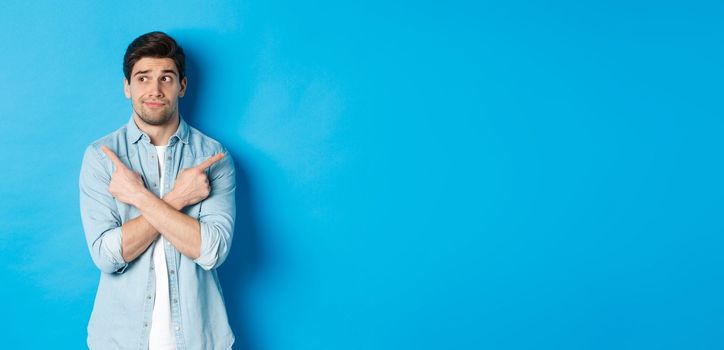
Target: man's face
(154, 90)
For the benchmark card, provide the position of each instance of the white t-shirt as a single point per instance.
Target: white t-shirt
(161, 337)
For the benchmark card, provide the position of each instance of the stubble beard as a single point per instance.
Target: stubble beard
(158, 118)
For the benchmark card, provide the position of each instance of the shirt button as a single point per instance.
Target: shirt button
(178, 328)
(148, 297)
(145, 324)
(154, 184)
(175, 301)
(169, 158)
(172, 272)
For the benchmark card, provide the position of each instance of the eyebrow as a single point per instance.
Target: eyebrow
(141, 72)
(148, 70)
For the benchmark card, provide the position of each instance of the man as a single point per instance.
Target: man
(158, 210)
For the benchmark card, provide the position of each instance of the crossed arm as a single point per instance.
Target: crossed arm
(160, 216)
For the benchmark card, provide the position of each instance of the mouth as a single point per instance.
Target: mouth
(153, 104)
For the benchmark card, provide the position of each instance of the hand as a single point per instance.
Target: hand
(192, 184)
(126, 185)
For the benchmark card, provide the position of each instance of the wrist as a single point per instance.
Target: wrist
(142, 198)
(174, 201)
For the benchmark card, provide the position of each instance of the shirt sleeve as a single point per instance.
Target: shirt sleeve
(99, 213)
(217, 214)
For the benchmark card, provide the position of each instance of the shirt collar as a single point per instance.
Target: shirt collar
(134, 134)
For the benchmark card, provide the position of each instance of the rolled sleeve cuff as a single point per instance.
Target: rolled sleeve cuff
(209, 252)
(111, 251)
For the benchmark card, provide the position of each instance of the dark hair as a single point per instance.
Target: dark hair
(156, 45)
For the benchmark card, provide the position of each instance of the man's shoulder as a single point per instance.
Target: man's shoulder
(114, 140)
(205, 144)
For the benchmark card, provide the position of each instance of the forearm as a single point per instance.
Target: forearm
(137, 234)
(183, 231)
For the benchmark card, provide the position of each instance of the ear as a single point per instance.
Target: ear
(182, 92)
(126, 88)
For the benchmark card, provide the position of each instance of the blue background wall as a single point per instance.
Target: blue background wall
(413, 175)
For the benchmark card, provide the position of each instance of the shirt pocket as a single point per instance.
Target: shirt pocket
(190, 160)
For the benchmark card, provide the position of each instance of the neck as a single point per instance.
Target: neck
(159, 134)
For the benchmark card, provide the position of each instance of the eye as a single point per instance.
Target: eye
(167, 78)
(142, 79)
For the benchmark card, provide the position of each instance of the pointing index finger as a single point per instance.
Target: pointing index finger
(209, 162)
(112, 156)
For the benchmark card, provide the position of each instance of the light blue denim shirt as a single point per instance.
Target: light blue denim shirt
(121, 317)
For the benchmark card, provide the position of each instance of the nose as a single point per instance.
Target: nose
(156, 89)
